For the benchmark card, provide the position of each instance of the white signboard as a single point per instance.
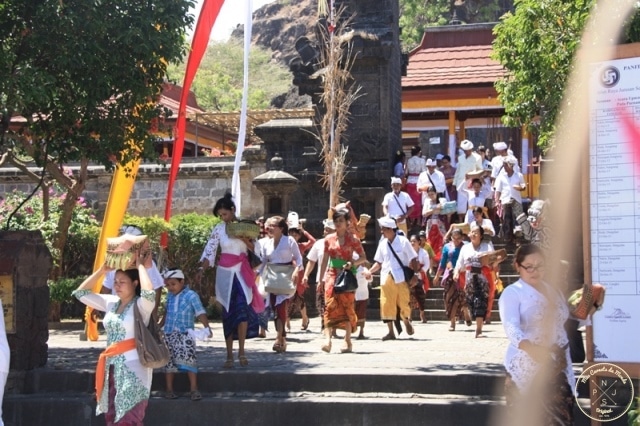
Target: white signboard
(615, 209)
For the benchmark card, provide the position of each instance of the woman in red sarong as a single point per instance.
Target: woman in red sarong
(415, 166)
(340, 308)
(435, 223)
(298, 302)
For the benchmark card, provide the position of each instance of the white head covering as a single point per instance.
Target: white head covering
(293, 222)
(173, 273)
(439, 157)
(328, 223)
(466, 145)
(510, 159)
(387, 222)
(395, 180)
(500, 146)
(430, 163)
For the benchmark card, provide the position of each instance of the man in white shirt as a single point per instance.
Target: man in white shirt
(468, 163)
(394, 290)
(431, 177)
(397, 204)
(501, 152)
(508, 187)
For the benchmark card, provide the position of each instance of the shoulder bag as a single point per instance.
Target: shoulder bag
(409, 274)
(278, 278)
(150, 344)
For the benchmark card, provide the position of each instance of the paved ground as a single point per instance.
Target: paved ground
(431, 349)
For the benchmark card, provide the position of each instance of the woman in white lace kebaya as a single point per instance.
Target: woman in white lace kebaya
(236, 288)
(123, 384)
(539, 373)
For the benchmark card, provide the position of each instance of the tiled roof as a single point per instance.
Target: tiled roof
(452, 66)
(170, 98)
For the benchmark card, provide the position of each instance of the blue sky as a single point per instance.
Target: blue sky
(231, 14)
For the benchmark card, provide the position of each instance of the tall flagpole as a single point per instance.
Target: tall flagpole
(235, 182)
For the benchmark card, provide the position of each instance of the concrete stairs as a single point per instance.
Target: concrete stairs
(272, 398)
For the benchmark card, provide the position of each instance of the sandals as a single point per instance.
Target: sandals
(388, 337)
(228, 363)
(196, 396)
(170, 395)
(243, 361)
(409, 327)
(347, 349)
(276, 347)
(326, 347)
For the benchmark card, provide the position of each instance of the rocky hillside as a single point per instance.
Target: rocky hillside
(276, 27)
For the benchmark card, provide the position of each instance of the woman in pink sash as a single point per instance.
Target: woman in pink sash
(236, 288)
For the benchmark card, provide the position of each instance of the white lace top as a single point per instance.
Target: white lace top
(224, 275)
(415, 166)
(524, 313)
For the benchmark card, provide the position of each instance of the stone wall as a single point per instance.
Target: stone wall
(201, 181)
(26, 260)
(375, 125)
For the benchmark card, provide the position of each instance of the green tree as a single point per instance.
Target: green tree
(416, 15)
(218, 83)
(536, 45)
(84, 75)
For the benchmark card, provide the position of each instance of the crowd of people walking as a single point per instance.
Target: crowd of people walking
(431, 210)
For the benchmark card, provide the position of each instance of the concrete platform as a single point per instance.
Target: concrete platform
(434, 377)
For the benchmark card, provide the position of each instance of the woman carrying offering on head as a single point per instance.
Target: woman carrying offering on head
(123, 384)
(236, 288)
(476, 277)
(338, 255)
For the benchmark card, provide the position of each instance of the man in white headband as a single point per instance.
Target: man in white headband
(468, 163)
(397, 204)
(394, 252)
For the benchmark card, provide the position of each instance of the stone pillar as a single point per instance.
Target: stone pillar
(276, 186)
(25, 262)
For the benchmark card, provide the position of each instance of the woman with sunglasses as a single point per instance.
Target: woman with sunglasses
(537, 361)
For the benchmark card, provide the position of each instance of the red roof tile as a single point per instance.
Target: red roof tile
(170, 98)
(452, 66)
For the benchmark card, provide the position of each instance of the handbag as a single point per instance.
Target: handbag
(345, 282)
(587, 300)
(152, 349)
(278, 278)
(409, 273)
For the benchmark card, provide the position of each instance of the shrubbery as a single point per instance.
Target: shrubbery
(188, 234)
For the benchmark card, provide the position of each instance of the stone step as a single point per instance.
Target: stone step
(266, 410)
(47, 381)
(336, 408)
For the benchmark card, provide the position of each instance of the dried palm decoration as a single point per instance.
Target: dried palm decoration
(338, 94)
